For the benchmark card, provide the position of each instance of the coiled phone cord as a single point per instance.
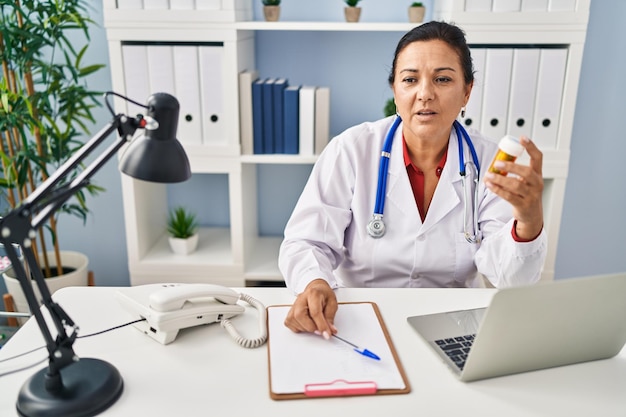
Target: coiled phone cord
(242, 341)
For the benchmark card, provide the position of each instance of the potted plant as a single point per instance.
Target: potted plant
(45, 108)
(352, 12)
(183, 230)
(271, 10)
(416, 12)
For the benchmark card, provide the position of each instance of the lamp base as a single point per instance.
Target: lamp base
(89, 387)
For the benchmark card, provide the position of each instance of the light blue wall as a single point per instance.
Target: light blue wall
(593, 226)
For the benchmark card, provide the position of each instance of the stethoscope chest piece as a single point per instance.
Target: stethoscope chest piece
(376, 226)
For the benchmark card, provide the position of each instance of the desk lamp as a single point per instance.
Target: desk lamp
(72, 386)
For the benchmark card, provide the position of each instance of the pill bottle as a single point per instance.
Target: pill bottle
(509, 149)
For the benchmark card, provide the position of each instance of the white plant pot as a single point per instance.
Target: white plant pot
(184, 246)
(78, 277)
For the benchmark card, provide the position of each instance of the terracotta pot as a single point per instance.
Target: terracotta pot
(353, 14)
(416, 14)
(272, 13)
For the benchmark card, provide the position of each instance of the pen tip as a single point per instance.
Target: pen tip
(370, 354)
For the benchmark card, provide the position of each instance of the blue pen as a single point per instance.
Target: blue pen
(362, 351)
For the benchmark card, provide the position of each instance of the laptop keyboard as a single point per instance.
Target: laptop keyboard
(457, 348)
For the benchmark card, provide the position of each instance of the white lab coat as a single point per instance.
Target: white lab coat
(326, 236)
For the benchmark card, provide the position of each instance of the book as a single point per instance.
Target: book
(291, 120)
(246, 78)
(268, 115)
(257, 116)
(277, 99)
(307, 120)
(305, 365)
(322, 119)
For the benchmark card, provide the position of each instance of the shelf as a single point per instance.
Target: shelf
(262, 264)
(326, 26)
(278, 159)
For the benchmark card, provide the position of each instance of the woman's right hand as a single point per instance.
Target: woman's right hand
(314, 310)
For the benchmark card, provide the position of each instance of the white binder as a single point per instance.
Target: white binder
(161, 69)
(474, 106)
(307, 120)
(506, 5)
(156, 4)
(562, 5)
(137, 86)
(186, 81)
(182, 4)
(548, 98)
(477, 5)
(212, 94)
(534, 5)
(523, 87)
(130, 4)
(498, 63)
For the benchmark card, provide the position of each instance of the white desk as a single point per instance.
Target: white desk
(203, 372)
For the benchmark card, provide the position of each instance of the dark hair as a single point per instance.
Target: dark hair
(449, 33)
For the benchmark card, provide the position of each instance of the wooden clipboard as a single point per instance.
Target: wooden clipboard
(297, 361)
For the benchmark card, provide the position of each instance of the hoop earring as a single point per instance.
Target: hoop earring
(463, 112)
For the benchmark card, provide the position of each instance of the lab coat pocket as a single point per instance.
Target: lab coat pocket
(464, 268)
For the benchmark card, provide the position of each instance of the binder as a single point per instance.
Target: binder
(161, 69)
(292, 119)
(304, 365)
(534, 5)
(307, 120)
(257, 115)
(477, 5)
(182, 4)
(497, 84)
(130, 4)
(137, 84)
(268, 115)
(549, 94)
(156, 4)
(186, 81)
(474, 106)
(246, 78)
(523, 87)
(322, 119)
(506, 5)
(212, 95)
(278, 90)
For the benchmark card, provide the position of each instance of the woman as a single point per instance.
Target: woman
(327, 244)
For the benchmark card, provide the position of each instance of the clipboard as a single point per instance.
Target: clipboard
(305, 365)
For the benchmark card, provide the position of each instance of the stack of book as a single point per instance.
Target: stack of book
(278, 118)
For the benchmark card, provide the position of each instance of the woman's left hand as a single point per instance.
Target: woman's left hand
(523, 190)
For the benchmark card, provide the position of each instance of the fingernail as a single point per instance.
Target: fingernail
(326, 335)
(490, 176)
(524, 139)
(498, 164)
(334, 329)
(317, 332)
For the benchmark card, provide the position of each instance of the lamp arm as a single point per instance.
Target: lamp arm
(17, 229)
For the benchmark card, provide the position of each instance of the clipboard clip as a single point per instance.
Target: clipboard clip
(340, 387)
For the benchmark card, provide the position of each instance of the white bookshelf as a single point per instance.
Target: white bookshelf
(236, 254)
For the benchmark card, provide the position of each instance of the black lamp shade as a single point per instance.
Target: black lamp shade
(158, 156)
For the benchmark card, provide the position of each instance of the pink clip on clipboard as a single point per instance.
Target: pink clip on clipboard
(340, 387)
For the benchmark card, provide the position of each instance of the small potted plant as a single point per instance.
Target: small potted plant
(352, 12)
(416, 12)
(183, 230)
(271, 10)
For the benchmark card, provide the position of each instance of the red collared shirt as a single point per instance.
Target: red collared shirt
(416, 177)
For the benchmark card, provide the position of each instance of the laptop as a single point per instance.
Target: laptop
(531, 327)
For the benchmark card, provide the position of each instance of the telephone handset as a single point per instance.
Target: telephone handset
(167, 308)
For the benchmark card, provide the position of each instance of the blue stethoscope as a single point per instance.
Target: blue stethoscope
(471, 169)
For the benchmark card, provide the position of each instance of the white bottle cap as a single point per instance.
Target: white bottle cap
(510, 144)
